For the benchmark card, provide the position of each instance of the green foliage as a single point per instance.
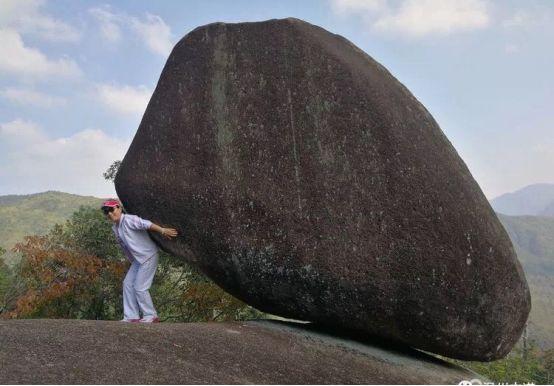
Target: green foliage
(88, 230)
(5, 278)
(112, 171)
(548, 363)
(54, 280)
(533, 240)
(531, 365)
(186, 295)
(76, 271)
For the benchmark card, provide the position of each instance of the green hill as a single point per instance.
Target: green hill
(35, 214)
(533, 239)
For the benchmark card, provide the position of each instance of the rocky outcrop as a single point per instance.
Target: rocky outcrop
(97, 352)
(307, 181)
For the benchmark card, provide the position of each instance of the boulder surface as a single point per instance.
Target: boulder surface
(310, 183)
(100, 352)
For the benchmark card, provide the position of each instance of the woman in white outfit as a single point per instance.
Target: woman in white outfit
(142, 252)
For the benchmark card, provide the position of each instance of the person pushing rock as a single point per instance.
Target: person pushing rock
(131, 234)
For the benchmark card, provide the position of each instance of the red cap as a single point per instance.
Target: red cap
(111, 203)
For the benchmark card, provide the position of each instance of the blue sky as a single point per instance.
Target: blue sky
(75, 77)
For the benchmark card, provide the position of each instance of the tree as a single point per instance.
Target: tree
(548, 360)
(77, 269)
(5, 275)
(112, 171)
(88, 231)
(61, 282)
(186, 295)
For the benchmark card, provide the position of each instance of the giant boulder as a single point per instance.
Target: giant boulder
(307, 181)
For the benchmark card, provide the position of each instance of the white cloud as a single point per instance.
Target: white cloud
(534, 16)
(108, 23)
(155, 33)
(34, 162)
(18, 59)
(418, 18)
(24, 96)
(518, 19)
(20, 131)
(354, 6)
(152, 30)
(26, 17)
(124, 99)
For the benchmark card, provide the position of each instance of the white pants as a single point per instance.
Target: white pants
(135, 289)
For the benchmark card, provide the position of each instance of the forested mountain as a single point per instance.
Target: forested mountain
(22, 215)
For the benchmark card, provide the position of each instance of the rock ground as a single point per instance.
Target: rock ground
(262, 352)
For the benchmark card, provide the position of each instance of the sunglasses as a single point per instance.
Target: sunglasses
(107, 209)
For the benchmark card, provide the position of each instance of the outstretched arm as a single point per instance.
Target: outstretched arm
(168, 233)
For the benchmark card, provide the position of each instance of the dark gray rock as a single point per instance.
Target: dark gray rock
(100, 352)
(307, 181)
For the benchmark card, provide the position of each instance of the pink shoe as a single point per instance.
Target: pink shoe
(130, 320)
(151, 319)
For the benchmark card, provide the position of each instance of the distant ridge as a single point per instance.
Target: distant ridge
(11, 199)
(533, 240)
(35, 214)
(532, 200)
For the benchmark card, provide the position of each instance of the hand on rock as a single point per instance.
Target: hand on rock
(169, 233)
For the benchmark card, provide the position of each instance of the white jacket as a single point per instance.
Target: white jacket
(135, 241)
